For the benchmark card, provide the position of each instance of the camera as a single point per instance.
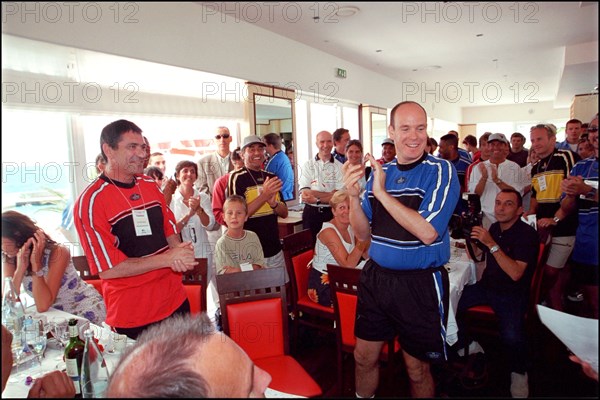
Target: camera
(462, 225)
(473, 216)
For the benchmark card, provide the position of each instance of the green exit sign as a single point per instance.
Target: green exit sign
(340, 73)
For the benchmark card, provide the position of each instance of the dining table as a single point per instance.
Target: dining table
(22, 376)
(462, 271)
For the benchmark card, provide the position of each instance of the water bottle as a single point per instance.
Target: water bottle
(13, 312)
(13, 316)
(94, 373)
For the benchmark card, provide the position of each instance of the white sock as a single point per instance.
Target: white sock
(360, 397)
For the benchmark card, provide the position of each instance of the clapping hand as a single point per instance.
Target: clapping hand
(272, 186)
(182, 257)
(352, 174)
(193, 204)
(378, 175)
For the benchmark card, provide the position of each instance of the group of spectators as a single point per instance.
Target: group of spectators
(140, 233)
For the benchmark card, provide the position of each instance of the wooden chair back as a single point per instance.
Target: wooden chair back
(298, 250)
(81, 265)
(195, 283)
(254, 311)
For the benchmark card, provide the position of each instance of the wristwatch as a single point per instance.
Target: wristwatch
(556, 220)
(494, 249)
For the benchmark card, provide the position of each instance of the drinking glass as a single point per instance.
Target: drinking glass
(60, 331)
(39, 346)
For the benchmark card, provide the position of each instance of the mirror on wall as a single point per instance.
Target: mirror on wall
(373, 125)
(378, 129)
(274, 115)
(270, 109)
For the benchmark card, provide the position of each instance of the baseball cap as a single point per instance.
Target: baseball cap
(388, 141)
(252, 139)
(498, 136)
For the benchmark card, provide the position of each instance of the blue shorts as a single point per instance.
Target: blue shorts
(409, 304)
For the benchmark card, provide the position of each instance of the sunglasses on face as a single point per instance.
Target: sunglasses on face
(592, 129)
(225, 136)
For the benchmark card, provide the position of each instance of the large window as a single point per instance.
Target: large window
(177, 139)
(37, 172)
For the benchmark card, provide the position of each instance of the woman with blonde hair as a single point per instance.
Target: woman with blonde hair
(336, 244)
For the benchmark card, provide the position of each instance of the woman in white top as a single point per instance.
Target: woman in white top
(193, 211)
(336, 244)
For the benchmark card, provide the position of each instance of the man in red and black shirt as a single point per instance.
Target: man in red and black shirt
(129, 237)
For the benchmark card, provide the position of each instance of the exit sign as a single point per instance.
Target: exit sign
(340, 73)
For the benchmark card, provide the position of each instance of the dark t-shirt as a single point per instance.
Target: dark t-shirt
(519, 157)
(519, 242)
(248, 184)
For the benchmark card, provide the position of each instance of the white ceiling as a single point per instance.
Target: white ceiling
(528, 49)
(547, 51)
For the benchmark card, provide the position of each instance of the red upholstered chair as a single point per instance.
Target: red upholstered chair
(81, 265)
(298, 250)
(254, 315)
(482, 319)
(344, 292)
(195, 283)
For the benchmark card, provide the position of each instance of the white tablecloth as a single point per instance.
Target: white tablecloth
(460, 274)
(52, 358)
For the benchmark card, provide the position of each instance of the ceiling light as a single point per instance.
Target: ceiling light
(347, 11)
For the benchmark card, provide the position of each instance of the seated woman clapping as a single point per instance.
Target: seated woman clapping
(46, 270)
(336, 244)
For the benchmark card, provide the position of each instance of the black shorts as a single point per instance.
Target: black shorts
(412, 304)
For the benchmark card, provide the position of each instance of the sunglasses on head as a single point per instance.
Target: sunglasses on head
(225, 136)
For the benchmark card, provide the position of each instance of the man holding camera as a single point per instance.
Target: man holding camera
(512, 248)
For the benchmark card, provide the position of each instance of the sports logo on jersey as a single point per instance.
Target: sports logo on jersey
(135, 197)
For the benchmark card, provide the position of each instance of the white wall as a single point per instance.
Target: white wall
(185, 35)
(540, 111)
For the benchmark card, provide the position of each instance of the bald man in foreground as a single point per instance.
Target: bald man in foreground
(186, 357)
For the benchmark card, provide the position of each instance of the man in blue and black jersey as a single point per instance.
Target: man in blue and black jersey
(403, 289)
(581, 195)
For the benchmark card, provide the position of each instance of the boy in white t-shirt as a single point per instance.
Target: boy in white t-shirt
(238, 249)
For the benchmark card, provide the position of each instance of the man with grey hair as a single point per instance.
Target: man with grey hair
(493, 175)
(319, 178)
(186, 357)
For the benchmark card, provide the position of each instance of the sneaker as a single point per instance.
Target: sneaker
(519, 386)
(576, 296)
(474, 348)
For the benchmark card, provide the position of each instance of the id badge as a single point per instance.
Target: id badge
(141, 223)
(542, 183)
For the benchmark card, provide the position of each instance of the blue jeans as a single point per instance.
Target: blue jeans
(510, 309)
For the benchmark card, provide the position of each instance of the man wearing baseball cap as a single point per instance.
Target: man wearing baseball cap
(388, 151)
(495, 174)
(261, 189)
